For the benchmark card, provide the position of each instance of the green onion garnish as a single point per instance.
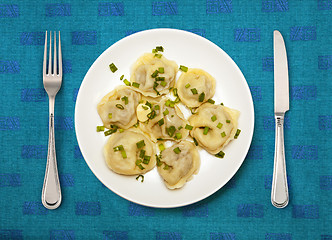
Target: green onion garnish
(219, 125)
(135, 84)
(126, 82)
(228, 121)
(160, 79)
(113, 67)
(213, 118)
(171, 130)
(119, 106)
(161, 122)
(138, 162)
(118, 148)
(220, 154)
(159, 162)
(194, 91)
(121, 77)
(136, 125)
(140, 176)
(161, 70)
(211, 101)
(168, 102)
(201, 97)
(188, 127)
(141, 167)
(121, 130)
(159, 49)
(100, 128)
(146, 159)
(123, 153)
(161, 147)
(145, 107)
(140, 144)
(175, 92)
(155, 85)
(148, 104)
(187, 85)
(178, 135)
(222, 104)
(152, 114)
(195, 141)
(238, 131)
(179, 128)
(166, 167)
(166, 112)
(125, 99)
(177, 150)
(223, 134)
(163, 83)
(206, 130)
(158, 55)
(157, 107)
(183, 68)
(112, 130)
(142, 153)
(154, 74)
(110, 115)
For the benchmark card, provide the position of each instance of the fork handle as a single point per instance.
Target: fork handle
(51, 193)
(279, 193)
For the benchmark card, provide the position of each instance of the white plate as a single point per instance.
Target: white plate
(186, 49)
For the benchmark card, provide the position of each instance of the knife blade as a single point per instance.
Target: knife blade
(279, 192)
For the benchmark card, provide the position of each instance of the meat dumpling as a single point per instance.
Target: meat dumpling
(214, 126)
(195, 87)
(153, 76)
(130, 152)
(164, 120)
(119, 107)
(178, 164)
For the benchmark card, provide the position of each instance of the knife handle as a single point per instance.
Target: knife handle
(279, 193)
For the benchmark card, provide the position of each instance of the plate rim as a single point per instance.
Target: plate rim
(204, 196)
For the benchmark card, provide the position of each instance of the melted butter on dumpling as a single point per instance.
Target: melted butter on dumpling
(214, 126)
(164, 122)
(195, 80)
(124, 154)
(178, 166)
(119, 107)
(145, 67)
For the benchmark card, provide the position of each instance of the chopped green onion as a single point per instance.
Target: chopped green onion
(159, 162)
(100, 128)
(161, 70)
(154, 74)
(177, 100)
(183, 68)
(121, 77)
(135, 84)
(220, 154)
(187, 85)
(177, 150)
(179, 128)
(178, 135)
(110, 115)
(206, 130)
(146, 159)
(188, 127)
(175, 92)
(112, 130)
(166, 167)
(160, 79)
(222, 104)
(125, 99)
(158, 55)
(213, 118)
(194, 91)
(211, 101)
(140, 176)
(157, 107)
(168, 102)
(126, 82)
(195, 141)
(219, 125)
(145, 107)
(238, 131)
(155, 85)
(118, 148)
(161, 147)
(152, 114)
(113, 67)
(141, 167)
(228, 121)
(138, 162)
(142, 153)
(166, 112)
(223, 134)
(163, 83)
(136, 125)
(171, 130)
(140, 144)
(121, 130)
(119, 106)
(123, 153)
(154, 50)
(201, 97)
(161, 122)
(148, 104)
(159, 49)
(172, 103)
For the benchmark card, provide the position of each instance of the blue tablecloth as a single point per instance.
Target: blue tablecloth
(240, 210)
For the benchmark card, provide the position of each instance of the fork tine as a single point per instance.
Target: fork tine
(45, 55)
(50, 56)
(55, 63)
(60, 57)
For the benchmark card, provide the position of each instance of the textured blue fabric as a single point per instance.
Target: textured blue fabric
(240, 210)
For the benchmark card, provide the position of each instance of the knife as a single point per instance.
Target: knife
(279, 193)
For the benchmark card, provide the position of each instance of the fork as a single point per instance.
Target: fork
(51, 193)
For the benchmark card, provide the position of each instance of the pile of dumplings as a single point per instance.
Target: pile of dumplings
(143, 115)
